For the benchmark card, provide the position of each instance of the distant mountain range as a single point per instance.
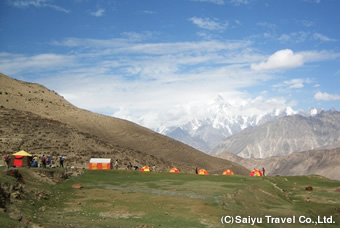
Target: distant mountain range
(224, 120)
(284, 136)
(325, 162)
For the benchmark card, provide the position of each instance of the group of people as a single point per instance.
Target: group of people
(46, 161)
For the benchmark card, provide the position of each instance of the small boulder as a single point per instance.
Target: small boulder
(337, 190)
(77, 186)
(309, 188)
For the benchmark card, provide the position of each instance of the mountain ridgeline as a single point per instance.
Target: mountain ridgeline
(284, 136)
(223, 120)
(325, 162)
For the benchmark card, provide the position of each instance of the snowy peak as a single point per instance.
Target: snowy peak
(285, 135)
(224, 119)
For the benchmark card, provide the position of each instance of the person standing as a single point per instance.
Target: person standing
(61, 161)
(49, 161)
(43, 161)
(7, 159)
(130, 166)
(263, 171)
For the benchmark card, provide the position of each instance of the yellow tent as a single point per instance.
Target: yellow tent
(228, 172)
(22, 153)
(174, 170)
(202, 172)
(145, 169)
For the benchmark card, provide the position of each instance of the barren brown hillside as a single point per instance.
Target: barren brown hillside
(127, 136)
(25, 130)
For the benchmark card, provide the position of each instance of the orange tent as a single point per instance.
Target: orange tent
(100, 163)
(256, 172)
(145, 169)
(174, 170)
(202, 172)
(228, 172)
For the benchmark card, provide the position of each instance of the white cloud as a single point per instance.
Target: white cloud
(320, 96)
(218, 2)
(209, 24)
(306, 23)
(149, 12)
(140, 80)
(294, 37)
(239, 2)
(38, 4)
(98, 13)
(152, 83)
(296, 83)
(267, 25)
(314, 1)
(316, 56)
(282, 59)
(319, 36)
(15, 63)
(302, 36)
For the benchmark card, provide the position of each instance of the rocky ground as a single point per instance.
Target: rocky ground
(20, 187)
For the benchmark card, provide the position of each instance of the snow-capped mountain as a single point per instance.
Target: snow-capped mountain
(224, 119)
(284, 136)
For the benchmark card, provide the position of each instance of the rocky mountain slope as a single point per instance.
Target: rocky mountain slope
(285, 136)
(94, 132)
(321, 162)
(223, 120)
(38, 135)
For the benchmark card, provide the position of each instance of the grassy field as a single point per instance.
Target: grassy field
(135, 199)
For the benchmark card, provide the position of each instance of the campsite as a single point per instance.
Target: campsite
(118, 198)
(188, 113)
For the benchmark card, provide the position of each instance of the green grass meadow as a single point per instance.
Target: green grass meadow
(155, 199)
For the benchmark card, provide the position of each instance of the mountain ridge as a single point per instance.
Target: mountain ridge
(285, 136)
(325, 162)
(224, 120)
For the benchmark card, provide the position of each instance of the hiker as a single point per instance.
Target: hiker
(49, 161)
(34, 163)
(136, 168)
(154, 168)
(130, 166)
(43, 161)
(196, 171)
(61, 161)
(263, 171)
(116, 164)
(7, 159)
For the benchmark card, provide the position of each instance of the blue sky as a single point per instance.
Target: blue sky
(161, 62)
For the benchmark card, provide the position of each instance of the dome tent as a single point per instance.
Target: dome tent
(174, 170)
(256, 172)
(202, 172)
(228, 172)
(145, 169)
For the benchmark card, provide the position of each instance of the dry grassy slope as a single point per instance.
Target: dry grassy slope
(37, 99)
(324, 162)
(25, 130)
